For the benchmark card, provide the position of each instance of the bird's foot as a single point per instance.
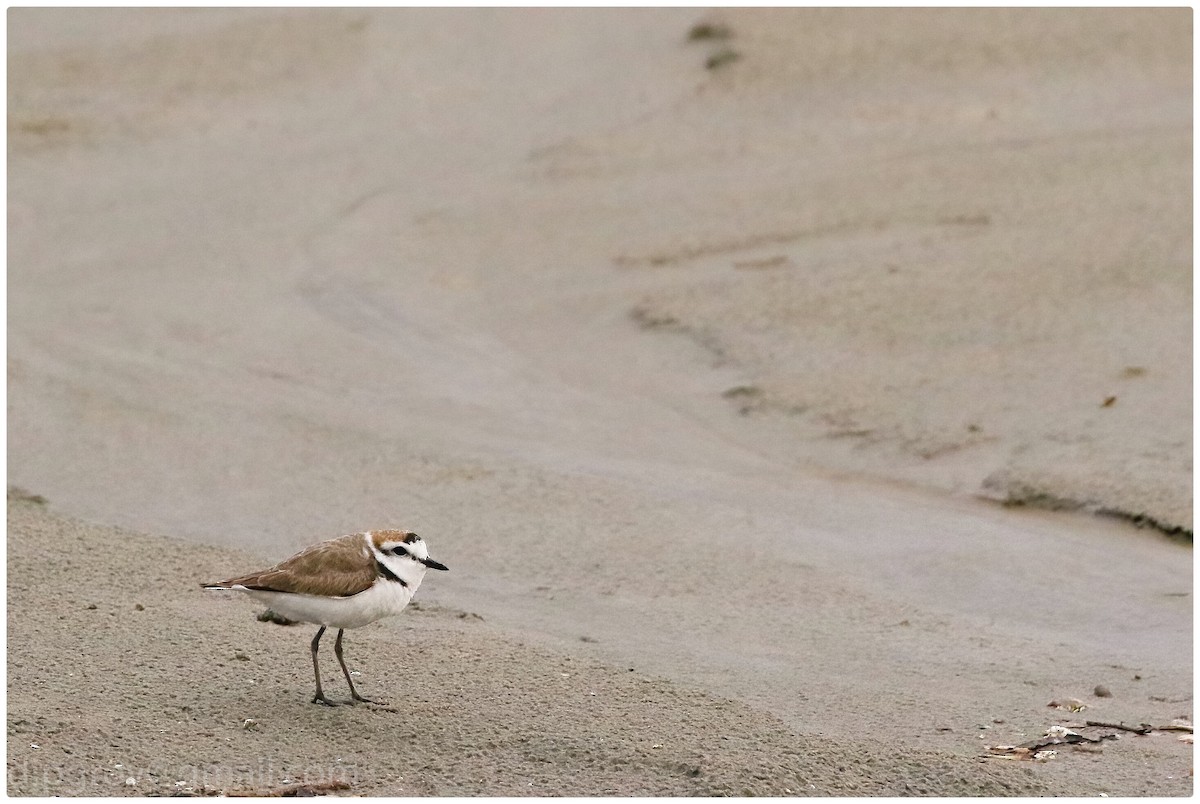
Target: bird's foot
(321, 699)
(363, 699)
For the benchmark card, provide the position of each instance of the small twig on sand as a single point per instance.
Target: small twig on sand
(1069, 739)
(1144, 728)
(295, 790)
(1180, 727)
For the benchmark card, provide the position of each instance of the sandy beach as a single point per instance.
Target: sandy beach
(224, 706)
(802, 399)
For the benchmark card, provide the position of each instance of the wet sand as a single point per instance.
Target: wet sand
(712, 372)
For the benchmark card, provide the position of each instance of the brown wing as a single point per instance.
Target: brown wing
(335, 568)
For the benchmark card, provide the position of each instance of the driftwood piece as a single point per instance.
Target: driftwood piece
(295, 790)
(1144, 728)
(1066, 739)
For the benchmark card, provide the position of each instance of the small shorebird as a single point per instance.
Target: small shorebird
(342, 583)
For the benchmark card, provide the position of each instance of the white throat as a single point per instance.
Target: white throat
(406, 568)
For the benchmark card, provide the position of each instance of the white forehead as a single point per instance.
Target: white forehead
(416, 547)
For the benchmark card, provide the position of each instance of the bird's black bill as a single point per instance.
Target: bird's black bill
(429, 562)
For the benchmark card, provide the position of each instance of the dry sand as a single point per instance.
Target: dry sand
(101, 691)
(700, 371)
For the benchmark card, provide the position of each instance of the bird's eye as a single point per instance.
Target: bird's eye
(400, 551)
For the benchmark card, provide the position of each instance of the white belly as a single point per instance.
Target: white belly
(381, 600)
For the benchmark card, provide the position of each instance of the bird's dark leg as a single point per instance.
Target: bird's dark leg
(337, 651)
(320, 696)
